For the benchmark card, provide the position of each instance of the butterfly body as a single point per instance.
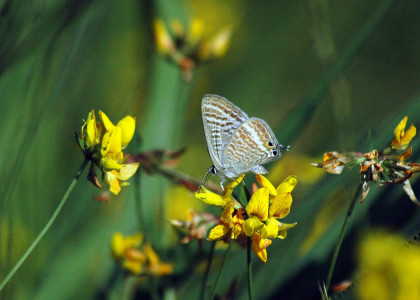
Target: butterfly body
(236, 143)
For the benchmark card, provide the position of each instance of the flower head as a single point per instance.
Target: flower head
(136, 257)
(102, 143)
(188, 48)
(259, 219)
(401, 138)
(384, 167)
(391, 273)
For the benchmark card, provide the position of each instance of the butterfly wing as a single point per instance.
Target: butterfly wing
(253, 143)
(220, 119)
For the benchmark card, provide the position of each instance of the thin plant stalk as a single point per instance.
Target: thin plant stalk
(341, 237)
(249, 262)
(219, 275)
(46, 227)
(207, 272)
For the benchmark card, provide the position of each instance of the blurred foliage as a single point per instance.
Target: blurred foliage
(326, 75)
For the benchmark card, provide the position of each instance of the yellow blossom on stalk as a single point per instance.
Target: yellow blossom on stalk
(188, 48)
(102, 143)
(137, 258)
(259, 219)
(391, 273)
(154, 265)
(401, 138)
(264, 209)
(125, 249)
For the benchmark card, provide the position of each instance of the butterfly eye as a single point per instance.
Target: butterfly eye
(270, 143)
(275, 152)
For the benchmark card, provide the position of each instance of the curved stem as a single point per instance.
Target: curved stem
(341, 237)
(207, 272)
(46, 227)
(249, 262)
(213, 293)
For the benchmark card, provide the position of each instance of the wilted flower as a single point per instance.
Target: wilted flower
(102, 143)
(384, 167)
(196, 225)
(259, 219)
(189, 48)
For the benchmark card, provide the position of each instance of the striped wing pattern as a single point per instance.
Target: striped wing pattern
(220, 119)
(249, 147)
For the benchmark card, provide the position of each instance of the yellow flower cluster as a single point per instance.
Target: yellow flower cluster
(102, 143)
(259, 219)
(188, 48)
(391, 272)
(128, 252)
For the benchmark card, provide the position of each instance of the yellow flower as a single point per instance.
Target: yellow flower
(215, 199)
(257, 210)
(154, 265)
(264, 208)
(127, 251)
(164, 43)
(216, 46)
(115, 139)
(117, 179)
(393, 272)
(402, 139)
(227, 223)
(102, 143)
(259, 246)
(189, 48)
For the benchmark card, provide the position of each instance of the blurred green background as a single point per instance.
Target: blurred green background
(326, 75)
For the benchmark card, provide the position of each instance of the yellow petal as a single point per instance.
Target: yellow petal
(251, 225)
(111, 179)
(135, 267)
(91, 130)
(280, 207)
(118, 245)
(164, 42)
(402, 139)
(111, 142)
(134, 240)
(110, 164)
(217, 46)
(196, 31)
(283, 227)
(128, 170)
(209, 197)
(226, 216)
(261, 252)
(107, 123)
(233, 184)
(258, 204)
(218, 233)
(128, 126)
(272, 228)
(287, 185)
(264, 182)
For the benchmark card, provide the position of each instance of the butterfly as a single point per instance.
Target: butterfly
(236, 143)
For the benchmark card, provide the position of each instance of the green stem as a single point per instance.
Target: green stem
(207, 272)
(249, 262)
(341, 237)
(46, 227)
(219, 275)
